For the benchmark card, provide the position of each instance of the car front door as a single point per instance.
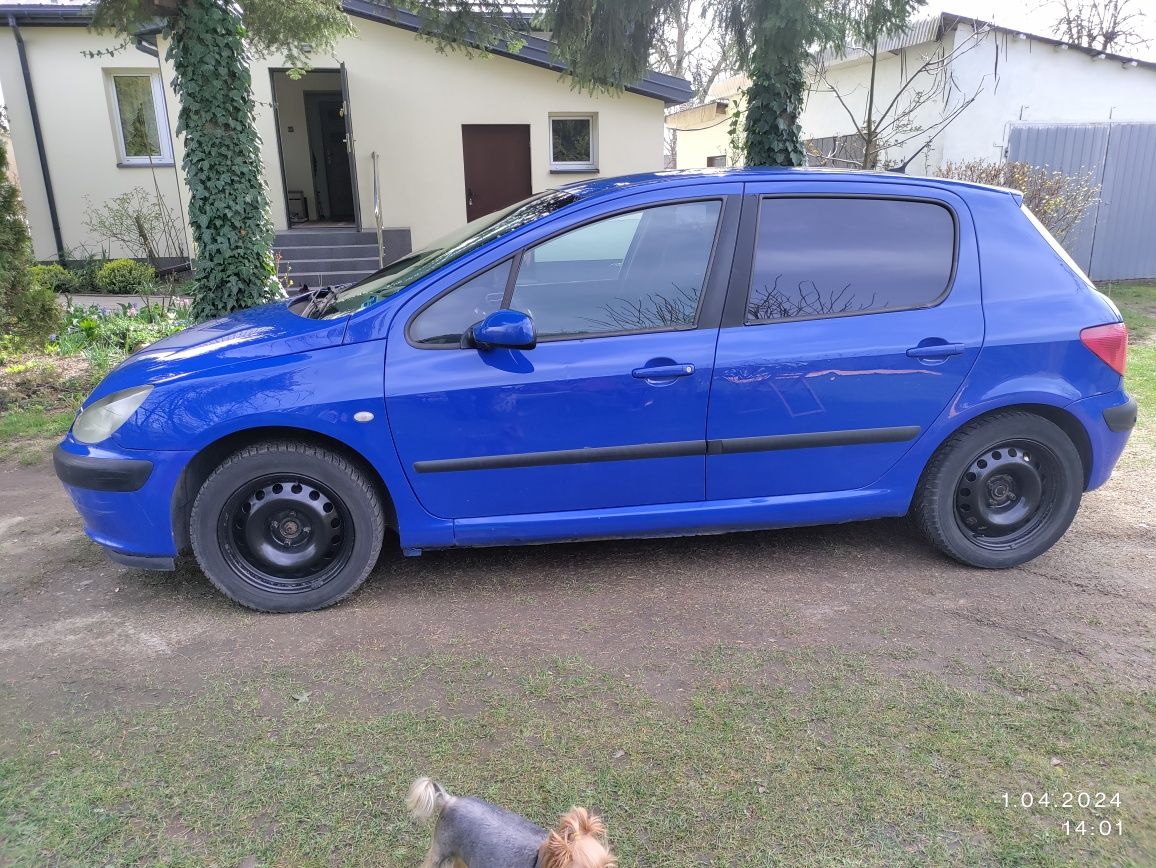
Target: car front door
(852, 320)
(609, 409)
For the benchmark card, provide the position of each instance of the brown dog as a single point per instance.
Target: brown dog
(472, 833)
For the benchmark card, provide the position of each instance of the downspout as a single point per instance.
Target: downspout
(38, 135)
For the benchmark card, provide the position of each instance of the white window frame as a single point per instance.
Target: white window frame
(590, 165)
(162, 118)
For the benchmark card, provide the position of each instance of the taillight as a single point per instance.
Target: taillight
(1110, 343)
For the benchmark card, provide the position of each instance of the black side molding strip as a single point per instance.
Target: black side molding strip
(1122, 417)
(101, 474)
(776, 442)
(678, 449)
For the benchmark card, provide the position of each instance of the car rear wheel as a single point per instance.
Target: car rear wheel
(1000, 491)
(287, 527)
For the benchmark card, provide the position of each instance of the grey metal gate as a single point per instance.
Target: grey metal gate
(1117, 238)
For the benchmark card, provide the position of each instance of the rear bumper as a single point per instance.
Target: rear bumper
(125, 498)
(1122, 417)
(1108, 419)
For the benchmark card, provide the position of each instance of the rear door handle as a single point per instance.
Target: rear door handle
(935, 351)
(663, 372)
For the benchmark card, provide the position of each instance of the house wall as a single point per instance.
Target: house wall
(713, 138)
(1039, 84)
(842, 91)
(77, 124)
(409, 102)
(1015, 79)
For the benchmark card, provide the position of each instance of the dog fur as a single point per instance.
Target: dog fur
(472, 833)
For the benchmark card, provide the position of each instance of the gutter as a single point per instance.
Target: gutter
(38, 134)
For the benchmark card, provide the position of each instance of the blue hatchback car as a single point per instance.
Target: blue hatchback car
(665, 354)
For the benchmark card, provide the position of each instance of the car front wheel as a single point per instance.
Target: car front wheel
(286, 526)
(1001, 491)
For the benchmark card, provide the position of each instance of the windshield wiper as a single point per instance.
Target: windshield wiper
(322, 299)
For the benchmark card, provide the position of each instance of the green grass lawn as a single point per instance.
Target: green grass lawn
(825, 762)
(1137, 302)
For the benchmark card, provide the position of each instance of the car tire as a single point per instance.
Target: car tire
(285, 526)
(1001, 491)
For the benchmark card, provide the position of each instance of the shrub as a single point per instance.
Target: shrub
(35, 313)
(86, 269)
(127, 277)
(15, 249)
(56, 278)
(1059, 201)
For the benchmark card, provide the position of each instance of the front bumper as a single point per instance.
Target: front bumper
(125, 498)
(101, 474)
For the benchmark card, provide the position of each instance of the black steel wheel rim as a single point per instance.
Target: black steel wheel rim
(1006, 495)
(285, 533)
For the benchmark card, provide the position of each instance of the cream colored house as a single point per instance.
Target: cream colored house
(701, 131)
(438, 137)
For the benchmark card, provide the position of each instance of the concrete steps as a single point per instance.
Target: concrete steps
(322, 256)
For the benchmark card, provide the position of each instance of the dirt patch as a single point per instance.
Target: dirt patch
(77, 630)
(51, 382)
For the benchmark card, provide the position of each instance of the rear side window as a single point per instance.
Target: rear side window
(822, 257)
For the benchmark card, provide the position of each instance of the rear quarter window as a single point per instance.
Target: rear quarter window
(842, 256)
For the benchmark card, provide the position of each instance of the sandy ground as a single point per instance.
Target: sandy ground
(76, 630)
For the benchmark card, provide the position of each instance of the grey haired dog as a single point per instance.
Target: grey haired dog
(472, 833)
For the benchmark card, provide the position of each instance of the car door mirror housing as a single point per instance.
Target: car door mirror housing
(502, 329)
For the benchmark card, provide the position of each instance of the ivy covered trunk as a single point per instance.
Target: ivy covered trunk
(228, 199)
(773, 136)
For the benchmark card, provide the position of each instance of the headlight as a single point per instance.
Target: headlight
(101, 418)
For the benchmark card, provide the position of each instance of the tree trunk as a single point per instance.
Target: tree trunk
(773, 136)
(228, 199)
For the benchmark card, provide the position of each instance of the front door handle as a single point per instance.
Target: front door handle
(935, 351)
(663, 372)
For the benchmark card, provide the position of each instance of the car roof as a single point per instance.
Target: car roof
(677, 177)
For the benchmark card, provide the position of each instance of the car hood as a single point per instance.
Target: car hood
(258, 333)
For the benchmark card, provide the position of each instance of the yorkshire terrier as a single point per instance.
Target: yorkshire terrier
(472, 833)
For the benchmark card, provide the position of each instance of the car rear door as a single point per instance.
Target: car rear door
(852, 319)
(609, 409)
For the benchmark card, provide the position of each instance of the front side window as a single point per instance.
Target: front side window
(139, 120)
(444, 322)
(822, 257)
(573, 143)
(401, 273)
(639, 271)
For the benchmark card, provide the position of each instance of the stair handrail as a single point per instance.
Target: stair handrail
(377, 212)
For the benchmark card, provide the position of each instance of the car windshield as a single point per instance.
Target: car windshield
(410, 268)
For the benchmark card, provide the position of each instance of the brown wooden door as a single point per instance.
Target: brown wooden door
(497, 163)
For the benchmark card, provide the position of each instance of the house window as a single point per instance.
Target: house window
(718, 162)
(573, 143)
(139, 121)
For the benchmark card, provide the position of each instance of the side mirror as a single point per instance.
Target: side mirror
(503, 329)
